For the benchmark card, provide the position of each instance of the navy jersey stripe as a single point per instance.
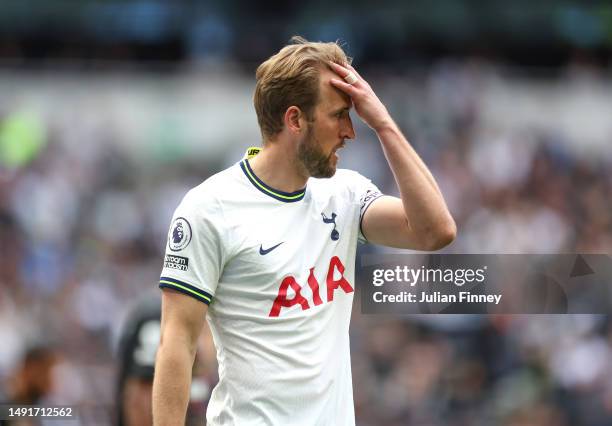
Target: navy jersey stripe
(183, 287)
(287, 197)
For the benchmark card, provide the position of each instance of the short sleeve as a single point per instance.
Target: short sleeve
(367, 193)
(194, 256)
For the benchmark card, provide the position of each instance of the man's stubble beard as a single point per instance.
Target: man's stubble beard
(312, 159)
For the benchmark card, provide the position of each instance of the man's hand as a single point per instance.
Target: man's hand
(367, 105)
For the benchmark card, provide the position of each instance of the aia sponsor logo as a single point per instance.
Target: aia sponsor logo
(282, 301)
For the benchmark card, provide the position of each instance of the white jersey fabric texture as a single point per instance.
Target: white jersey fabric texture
(278, 272)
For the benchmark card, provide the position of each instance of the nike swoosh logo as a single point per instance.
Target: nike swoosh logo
(263, 251)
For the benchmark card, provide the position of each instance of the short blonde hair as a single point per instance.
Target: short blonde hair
(291, 78)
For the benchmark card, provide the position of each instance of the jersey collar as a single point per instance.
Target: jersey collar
(286, 197)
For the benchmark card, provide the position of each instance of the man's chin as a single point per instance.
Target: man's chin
(323, 169)
(325, 174)
(332, 165)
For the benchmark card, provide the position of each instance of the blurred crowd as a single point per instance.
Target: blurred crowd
(83, 226)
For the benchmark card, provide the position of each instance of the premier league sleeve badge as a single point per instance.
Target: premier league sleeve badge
(180, 234)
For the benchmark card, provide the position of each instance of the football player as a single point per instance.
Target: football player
(265, 250)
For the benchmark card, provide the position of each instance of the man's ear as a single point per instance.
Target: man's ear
(295, 120)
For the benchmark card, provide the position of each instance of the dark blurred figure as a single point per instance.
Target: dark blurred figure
(137, 348)
(138, 344)
(32, 381)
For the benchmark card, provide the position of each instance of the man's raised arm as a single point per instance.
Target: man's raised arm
(420, 220)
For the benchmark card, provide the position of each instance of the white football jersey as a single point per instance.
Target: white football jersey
(277, 270)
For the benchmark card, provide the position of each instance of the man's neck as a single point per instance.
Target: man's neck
(276, 165)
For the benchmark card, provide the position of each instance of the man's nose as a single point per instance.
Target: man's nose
(347, 130)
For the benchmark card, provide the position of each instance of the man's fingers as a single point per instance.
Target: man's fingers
(345, 69)
(339, 69)
(351, 68)
(344, 86)
(342, 71)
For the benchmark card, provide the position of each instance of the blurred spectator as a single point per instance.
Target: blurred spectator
(137, 348)
(136, 358)
(32, 381)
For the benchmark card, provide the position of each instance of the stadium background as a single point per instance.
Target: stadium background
(111, 110)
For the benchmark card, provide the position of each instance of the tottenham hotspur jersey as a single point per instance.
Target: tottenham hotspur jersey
(277, 271)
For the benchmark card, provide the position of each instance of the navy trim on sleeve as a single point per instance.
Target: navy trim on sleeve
(188, 289)
(364, 212)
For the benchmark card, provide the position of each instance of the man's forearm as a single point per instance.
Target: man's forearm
(171, 384)
(421, 197)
